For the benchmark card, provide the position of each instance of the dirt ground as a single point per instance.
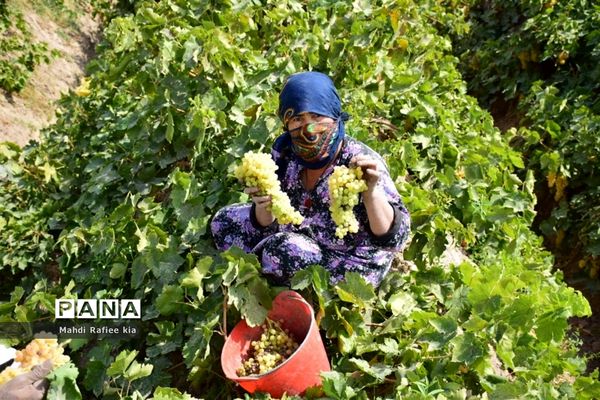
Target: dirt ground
(23, 115)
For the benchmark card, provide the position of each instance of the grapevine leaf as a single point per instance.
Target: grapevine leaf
(167, 339)
(160, 375)
(466, 348)
(193, 279)
(163, 393)
(138, 271)
(15, 296)
(170, 127)
(355, 290)
(445, 330)
(402, 303)
(389, 346)
(551, 327)
(301, 279)
(198, 345)
(588, 387)
(378, 371)
(164, 263)
(142, 239)
(445, 326)
(167, 53)
(335, 385)
(180, 189)
(506, 391)
(95, 376)
(516, 159)
(169, 300)
(63, 385)
(121, 363)
(137, 371)
(118, 270)
(248, 305)
(580, 307)
(262, 291)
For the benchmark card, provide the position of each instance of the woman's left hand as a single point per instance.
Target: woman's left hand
(379, 211)
(369, 168)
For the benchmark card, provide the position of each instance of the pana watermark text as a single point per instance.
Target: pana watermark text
(97, 309)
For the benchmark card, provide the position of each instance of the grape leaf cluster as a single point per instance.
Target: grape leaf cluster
(258, 170)
(274, 347)
(344, 186)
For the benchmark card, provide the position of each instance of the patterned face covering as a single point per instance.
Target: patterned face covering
(312, 141)
(313, 145)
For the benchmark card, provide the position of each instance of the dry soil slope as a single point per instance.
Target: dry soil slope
(74, 35)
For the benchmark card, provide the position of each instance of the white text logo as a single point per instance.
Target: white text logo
(97, 309)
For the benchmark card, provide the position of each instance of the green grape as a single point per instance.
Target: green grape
(259, 170)
(345, 184)
(40, 350)
(274, 347)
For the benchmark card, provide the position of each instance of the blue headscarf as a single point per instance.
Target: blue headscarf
(312, 92)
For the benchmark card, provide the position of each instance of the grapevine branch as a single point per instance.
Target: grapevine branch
(224, 324)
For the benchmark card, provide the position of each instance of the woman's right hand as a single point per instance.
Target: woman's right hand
(261, 204)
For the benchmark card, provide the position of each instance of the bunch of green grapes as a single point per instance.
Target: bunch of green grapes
(36, 352)
(258, 170)
(274, 347)
(11, 372)
(40, 350)
(344, 186)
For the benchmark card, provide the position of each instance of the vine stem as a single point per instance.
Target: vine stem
(114, 380)
(225, 299)
(175, 366)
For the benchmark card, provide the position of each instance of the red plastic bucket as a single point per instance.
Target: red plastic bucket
(301, 370)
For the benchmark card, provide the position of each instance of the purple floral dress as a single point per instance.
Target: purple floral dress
(286, 249)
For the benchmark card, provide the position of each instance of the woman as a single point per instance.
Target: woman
(314, 142)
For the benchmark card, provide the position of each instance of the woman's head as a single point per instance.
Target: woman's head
(310, 109)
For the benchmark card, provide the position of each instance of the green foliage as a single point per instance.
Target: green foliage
(543, 56)
(170, 394)
(63, 383)
(24, 208)
(179, 91)
(126, 369)
(109, 9)
(562, 144)
(512, 44)
(445, 330)
(20, 55)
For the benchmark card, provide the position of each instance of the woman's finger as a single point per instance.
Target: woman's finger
(373, 174)
(250, 190)
(354, 161)
(261, 200)
(367, 164)
(263, 205)
(359, 157)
